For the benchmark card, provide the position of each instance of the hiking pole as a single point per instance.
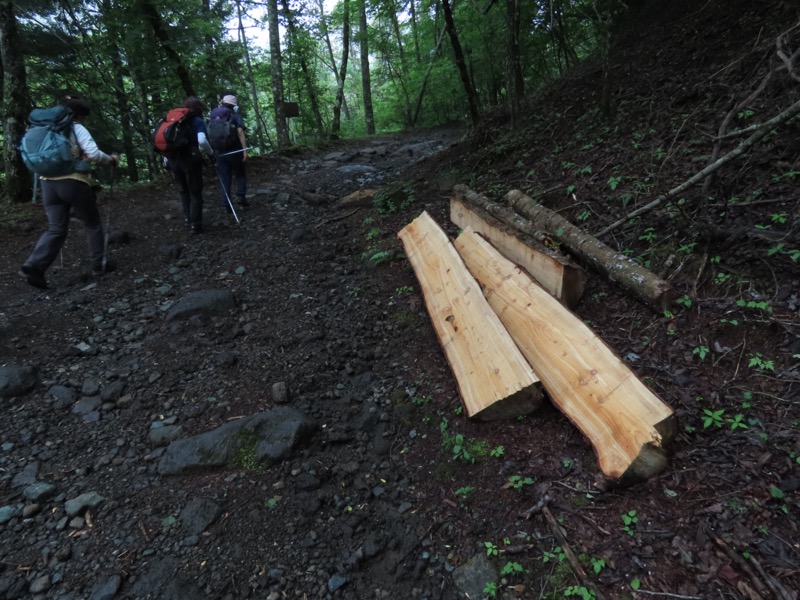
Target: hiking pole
(106, 227)
(227, 196)
(235, 151)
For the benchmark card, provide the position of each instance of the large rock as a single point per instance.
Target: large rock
(267, 437)
(204, 302)
(16, 380)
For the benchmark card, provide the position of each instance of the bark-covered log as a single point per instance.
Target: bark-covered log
(619, 268)
(556, 273)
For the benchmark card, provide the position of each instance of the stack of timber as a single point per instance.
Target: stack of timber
(522, 213)
(626, 423)
(555, 272)
(494, 379)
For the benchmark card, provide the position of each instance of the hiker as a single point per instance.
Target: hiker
(187, 167)
(230, 150)
(72, 193)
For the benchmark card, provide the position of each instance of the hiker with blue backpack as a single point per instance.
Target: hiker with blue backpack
(226, 135)
(67, 188)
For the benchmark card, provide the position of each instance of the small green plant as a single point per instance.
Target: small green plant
(586, 170)
(557, 555)
(755, 305)
(491, 549)
(629, 521)
(497, 451)
(517, 482)
(649, 235)
(566, 463)
(570, 190)
(579, 591)
(712, 417)
(598, 564)
(403, 289)
(377, 257)
(421, 400)
(583, 216)
(464, 492)
(758, 361)
(700, 351)
(684, 300)
(373, 233)
(659, 154)
(271, 503)
(614, 181)
(511, 568)
(636, 584)
(737, 422)
(687, 248)
(490, 589)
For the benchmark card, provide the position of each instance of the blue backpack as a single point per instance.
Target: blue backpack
(46, 147)
(221, 131)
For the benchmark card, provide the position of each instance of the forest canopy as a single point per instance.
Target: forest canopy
(303, 70)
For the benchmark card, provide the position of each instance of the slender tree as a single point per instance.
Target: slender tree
(161, 32)
(366, 84)
(16, 104)
(458, 56)
(340, 79)
(299, 49)
(281, 127)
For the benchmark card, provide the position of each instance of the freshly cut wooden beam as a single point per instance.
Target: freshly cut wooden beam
(555, 272)
(627, 424)
(494, 379)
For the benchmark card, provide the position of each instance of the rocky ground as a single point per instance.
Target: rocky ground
(264, 410)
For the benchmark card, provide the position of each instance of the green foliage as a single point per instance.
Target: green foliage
(517, 482)
(629, 522)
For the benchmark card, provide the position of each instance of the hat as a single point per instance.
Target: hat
(229, 100)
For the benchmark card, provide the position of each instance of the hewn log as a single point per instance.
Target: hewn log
(555, 272)
(494, 379)
(626, 423)
(619, 268)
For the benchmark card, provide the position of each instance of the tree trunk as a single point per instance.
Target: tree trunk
(153, 18)
(366, 84)
(412, 11)
(342, 74)
(619, 268)
(16, 105)
(423, 87)
(516, 82)
(307, 78)
(261, 125)
(458, 55)
(281, 128)
(120, 97)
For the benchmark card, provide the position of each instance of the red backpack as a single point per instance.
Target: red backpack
(174, 135)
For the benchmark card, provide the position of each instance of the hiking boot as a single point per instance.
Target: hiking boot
(242, 201)
(196, 228)
(34, 277)
(101, 269)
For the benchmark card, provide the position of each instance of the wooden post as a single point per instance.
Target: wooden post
(494, 379)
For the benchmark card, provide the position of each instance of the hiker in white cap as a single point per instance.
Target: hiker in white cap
(226, 135)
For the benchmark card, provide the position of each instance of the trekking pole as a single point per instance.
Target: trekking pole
(107, 225)
(235, 151)
(227, 196)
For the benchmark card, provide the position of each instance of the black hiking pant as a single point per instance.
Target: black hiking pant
(60, 197)
(189, 175)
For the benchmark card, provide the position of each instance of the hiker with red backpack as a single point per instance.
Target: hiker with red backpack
(71, 192)
(226, 135)
(181, 138)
